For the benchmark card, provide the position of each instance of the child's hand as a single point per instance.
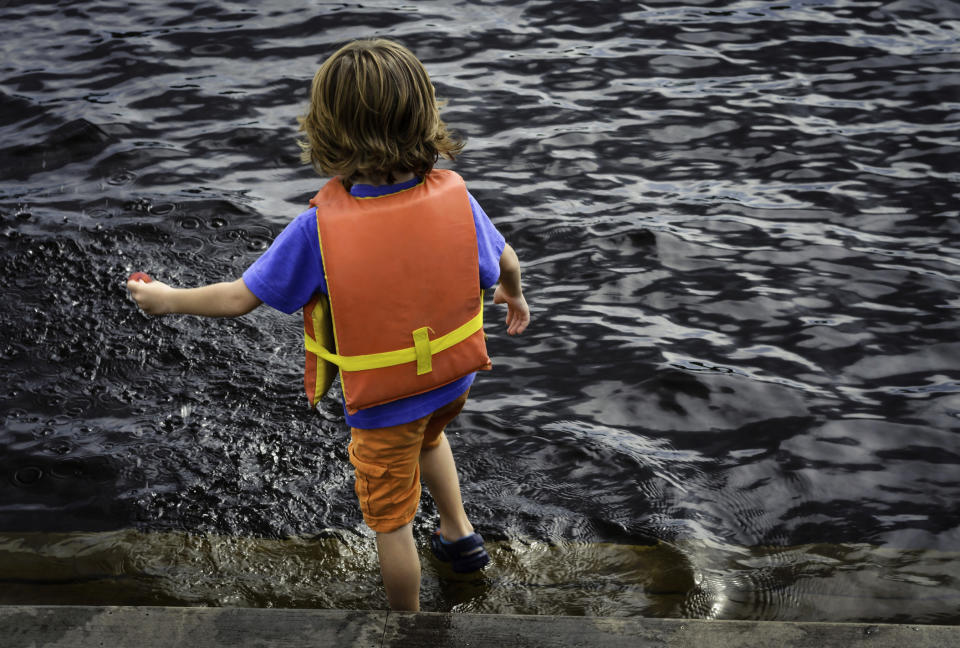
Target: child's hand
(151, 296)
(518, 313)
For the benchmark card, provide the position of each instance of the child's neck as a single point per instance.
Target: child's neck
(382, 180)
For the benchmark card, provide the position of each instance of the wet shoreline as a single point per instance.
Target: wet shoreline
(125, 627)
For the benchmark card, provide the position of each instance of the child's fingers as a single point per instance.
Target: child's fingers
(135, 284)
(518, 315)
(147, 295)
(516, 321)
(135, 288)
(519, 326)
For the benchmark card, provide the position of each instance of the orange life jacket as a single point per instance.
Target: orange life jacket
(405, 308)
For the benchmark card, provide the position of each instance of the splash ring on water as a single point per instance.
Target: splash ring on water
(69, 468)
(122, 177)
(27, 476)
(162, 209)
(99, 212)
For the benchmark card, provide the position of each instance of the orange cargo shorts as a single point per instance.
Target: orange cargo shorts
(386, 465)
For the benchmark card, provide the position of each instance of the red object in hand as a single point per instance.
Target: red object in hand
(140, 276)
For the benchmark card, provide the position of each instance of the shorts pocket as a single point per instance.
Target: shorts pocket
(384, 492)
(368, 482)
(366, 468)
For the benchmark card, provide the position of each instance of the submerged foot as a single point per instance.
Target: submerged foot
(465, 555)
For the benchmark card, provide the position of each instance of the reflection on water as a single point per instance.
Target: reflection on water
(739, 397)
(336, 570)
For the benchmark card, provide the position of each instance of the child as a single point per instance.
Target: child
(402, 250)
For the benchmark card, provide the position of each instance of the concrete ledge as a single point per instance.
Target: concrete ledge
(156, 627)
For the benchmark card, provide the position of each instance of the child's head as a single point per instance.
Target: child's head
(373, 113)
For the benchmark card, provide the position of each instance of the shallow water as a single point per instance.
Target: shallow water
(739, 397)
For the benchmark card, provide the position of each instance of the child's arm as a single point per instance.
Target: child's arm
(226, 299)
(510, 292)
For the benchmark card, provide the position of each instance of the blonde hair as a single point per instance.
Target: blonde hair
(373, 113)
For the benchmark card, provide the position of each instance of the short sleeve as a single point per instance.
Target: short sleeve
(490, 244)
(290, 272)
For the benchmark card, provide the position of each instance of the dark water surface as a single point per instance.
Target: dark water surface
(740, 394)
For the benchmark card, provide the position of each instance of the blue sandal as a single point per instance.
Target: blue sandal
(465, 555)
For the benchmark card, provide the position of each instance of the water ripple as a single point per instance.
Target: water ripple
(739, 233)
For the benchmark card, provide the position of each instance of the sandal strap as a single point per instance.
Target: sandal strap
(466, 554)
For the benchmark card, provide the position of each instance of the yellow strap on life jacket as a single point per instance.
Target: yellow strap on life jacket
(421, 346)
(402, 356)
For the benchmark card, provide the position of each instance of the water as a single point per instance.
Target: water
(739, 397)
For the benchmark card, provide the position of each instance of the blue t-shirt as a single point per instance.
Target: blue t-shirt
(290, 272)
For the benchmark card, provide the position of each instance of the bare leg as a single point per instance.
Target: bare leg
(400, 568)
(439, 471)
